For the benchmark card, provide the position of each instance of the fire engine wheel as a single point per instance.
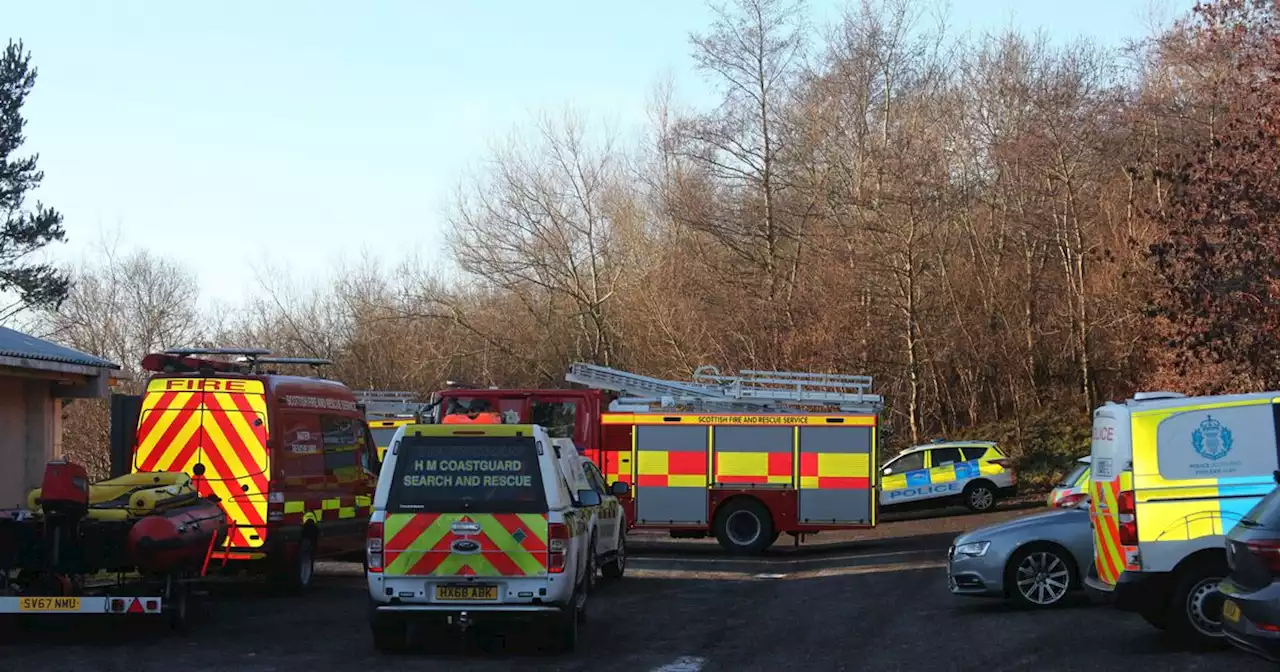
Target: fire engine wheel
(979, 496)
(744, 527)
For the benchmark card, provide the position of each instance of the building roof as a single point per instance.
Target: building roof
(18, 345)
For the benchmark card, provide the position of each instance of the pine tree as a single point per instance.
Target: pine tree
(23, 230)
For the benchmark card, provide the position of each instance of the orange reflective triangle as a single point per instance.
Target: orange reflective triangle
(135, 607)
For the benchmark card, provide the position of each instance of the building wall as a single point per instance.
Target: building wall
(30, 424)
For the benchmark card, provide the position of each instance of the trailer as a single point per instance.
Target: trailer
(743, 458)
(129, 546)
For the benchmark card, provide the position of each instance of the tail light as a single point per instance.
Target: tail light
(1070, 501)
(1268, 551)
(1003, 462)
(373, 548)
(557, 546)
(1128, 522)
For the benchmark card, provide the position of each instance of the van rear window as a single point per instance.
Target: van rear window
(455, 475)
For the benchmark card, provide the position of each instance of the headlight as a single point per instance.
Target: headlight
(974, 549)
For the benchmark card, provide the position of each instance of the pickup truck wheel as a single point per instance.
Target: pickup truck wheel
(744, 527)
(618, 565)
(390, 635)
(564, 627)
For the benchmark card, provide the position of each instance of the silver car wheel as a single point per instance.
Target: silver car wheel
(1043, 578)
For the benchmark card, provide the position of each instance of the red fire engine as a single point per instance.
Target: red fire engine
(744, 458)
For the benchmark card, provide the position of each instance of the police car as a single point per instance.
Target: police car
(480, 522)
(974, 473)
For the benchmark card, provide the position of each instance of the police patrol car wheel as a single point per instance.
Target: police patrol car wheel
(979, 497)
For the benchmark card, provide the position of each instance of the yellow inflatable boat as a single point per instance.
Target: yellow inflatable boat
(133, 495)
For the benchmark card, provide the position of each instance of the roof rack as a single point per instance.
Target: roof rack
(750, 390)
(383, 404)
(245, 360)
(248, 352)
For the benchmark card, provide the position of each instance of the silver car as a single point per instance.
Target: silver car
(1035, 560)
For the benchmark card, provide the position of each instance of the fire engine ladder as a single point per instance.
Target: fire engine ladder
(384, 404)
(787, 391)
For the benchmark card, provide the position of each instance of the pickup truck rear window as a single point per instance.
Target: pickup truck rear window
(482, 474)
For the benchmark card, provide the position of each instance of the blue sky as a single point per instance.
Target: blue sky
(218, 134)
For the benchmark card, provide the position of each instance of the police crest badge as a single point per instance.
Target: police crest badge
(1212, 440)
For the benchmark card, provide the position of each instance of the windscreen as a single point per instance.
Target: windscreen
(480, 474)
(1073, 476)
(382, 437)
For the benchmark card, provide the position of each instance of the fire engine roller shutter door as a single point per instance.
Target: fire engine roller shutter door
(753, 455)
(835, 474)
(671, 483)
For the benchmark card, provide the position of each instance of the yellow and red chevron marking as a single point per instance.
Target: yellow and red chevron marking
(227, 433)
(1108, 553)
(508, 544)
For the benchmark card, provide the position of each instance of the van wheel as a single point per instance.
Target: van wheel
(614, 568)
(744, 527)
(1196, 605)
(300, 569)
(979, 496)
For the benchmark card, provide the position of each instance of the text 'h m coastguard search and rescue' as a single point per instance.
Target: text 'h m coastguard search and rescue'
(480, 467)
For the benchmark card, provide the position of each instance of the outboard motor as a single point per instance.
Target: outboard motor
(64, 501)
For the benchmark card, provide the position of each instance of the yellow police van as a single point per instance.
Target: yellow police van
(1170, 475)
(480, 522)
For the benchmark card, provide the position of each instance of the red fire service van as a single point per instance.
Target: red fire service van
(290, 458)
(744, 458)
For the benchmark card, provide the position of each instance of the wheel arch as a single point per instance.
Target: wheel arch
(981, 480)
(728, 502)
(1208, 556)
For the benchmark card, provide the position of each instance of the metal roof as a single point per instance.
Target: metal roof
(19, 345)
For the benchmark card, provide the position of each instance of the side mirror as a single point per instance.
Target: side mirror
(887, 470)
(619, 489)
(588, 498)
